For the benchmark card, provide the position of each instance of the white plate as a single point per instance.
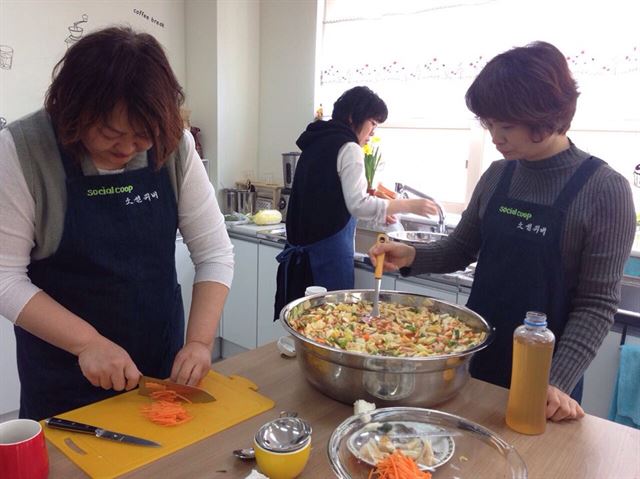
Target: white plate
(443, 446)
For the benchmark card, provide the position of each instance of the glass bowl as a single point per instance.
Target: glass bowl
(479, 452)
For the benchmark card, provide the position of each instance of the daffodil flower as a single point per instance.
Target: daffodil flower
(372, 159)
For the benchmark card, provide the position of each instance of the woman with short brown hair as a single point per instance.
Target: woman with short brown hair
(99, 183)
(550, 225)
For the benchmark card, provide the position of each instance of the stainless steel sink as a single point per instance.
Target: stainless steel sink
(416, 236)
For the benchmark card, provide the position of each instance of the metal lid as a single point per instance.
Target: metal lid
(284, 434)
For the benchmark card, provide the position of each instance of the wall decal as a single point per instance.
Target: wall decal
(6, 57)
(75, 32)
(148, 17)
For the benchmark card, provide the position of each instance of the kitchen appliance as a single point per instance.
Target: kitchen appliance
(474, 451)
(66, 425)
(283, 203)
(289, 162)
(237, 399)
(384, 380)
(148, 385)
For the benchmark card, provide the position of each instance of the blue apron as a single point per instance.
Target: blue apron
(520, 269)
(330, 259)
(114, 268)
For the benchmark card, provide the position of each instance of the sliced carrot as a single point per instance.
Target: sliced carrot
(166, 410)
(398, 466)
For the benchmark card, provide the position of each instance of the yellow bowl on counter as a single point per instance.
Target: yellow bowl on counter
(282, 465)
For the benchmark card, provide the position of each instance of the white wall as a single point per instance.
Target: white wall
(201, 58)
(238, 28)
(36, 30)
(287, 66)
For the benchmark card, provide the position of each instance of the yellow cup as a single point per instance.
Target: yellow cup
(282, 465)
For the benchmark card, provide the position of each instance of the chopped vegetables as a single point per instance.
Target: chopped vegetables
(398, 466)
(165, 410)
(402, 331)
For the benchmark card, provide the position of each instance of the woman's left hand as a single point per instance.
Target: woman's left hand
(561, 407)
(192, 363)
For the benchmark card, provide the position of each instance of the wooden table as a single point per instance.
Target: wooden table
(589, 448)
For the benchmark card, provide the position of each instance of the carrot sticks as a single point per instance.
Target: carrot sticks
(166, 409)
(398, 466)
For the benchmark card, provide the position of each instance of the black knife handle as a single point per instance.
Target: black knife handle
(59, 423)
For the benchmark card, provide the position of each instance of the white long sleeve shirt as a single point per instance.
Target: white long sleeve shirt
(360, 204)
(199, 220)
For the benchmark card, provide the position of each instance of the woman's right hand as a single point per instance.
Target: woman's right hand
(396, 255)
(423, 207)
(107, 365)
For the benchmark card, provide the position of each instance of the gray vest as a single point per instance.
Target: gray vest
(43, 171)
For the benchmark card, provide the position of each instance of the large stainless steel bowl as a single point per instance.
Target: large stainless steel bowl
(385, 380)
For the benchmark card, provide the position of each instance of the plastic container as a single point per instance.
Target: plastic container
(532, 352)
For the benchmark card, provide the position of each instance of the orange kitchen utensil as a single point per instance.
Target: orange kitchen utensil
(375, 313)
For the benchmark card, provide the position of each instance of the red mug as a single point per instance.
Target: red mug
(23, 452)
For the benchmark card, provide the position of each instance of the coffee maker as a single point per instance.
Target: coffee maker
(289, 162)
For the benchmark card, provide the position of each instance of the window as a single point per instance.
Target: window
(420, 57)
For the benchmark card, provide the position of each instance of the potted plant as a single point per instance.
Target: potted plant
(372, 160)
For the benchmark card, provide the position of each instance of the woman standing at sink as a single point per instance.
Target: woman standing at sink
(329, 194)
(550, 225)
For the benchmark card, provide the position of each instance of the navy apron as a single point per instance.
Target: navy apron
(520, 269)
(114, 268)
(331, 260)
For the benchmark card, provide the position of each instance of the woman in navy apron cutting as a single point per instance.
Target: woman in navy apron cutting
(109, 177)
(329, 194)
(550, 225)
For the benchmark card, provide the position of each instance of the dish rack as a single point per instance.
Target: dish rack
(268, 195)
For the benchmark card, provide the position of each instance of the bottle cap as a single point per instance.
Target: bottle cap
(535, 319)
(314, 290)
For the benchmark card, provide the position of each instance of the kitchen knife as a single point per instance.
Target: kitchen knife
(148, 385)
(65, 424)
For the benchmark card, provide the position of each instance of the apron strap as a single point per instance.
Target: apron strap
(505, 180)
(577, 181)
(289, 252)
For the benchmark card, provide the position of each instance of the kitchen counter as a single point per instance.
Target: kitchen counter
(589, 448)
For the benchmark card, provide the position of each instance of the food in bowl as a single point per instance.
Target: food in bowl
(400, 331)
(479, 452)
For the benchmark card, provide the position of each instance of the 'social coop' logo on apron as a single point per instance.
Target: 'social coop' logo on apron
(110, 190)
(515, 212)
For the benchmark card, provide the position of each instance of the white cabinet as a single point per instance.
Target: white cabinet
(239, 316)
(364, 279)
(268, 330)
(429, 290)
(185, 272)
(462, 298)
(10, 390)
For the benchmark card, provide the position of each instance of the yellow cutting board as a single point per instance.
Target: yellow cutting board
(236, 400)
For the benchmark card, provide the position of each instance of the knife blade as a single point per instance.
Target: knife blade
(65, 424)
(148, 385)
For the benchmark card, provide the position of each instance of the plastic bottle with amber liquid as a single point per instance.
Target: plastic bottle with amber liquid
(532, 351)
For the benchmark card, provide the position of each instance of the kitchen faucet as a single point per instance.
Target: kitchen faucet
(402, 190)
